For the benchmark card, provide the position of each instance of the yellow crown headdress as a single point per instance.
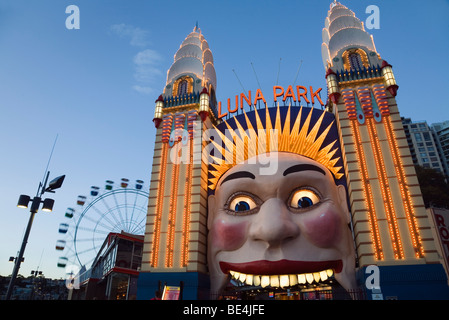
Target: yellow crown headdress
(263, 139)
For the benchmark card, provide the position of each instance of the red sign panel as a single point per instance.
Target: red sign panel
(441, 220)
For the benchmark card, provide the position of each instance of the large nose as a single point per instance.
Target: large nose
(273, 224)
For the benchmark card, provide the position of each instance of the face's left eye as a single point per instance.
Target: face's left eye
(303, 199)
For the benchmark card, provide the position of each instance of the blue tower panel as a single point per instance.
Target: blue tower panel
(409, 282)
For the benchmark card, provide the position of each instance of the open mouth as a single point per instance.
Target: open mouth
(282, 273)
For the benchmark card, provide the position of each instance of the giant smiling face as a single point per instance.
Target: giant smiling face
(277, 230)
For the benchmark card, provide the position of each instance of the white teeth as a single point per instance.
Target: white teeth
(265, 281)
(323, 275)
(274, 281)
(249, 279)
(293, 279)
(309, 278)
(282, 281)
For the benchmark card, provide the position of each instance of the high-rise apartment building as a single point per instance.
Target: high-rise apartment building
(441, 132)
(423, 144)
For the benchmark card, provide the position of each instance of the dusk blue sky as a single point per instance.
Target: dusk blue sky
(95, 87)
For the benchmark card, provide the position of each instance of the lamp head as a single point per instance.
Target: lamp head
(56, 183)
(48, 205)
(23, 201)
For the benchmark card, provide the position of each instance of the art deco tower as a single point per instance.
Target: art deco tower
(175, 236)
(391, 226)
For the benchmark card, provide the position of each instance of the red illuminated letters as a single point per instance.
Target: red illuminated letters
(278, 92)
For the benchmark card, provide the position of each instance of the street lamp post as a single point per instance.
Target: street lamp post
(36, 287)
(35, 203)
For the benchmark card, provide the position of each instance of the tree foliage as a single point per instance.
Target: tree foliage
(434, 187)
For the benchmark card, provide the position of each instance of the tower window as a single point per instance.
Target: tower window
(182, 88)
(418, 136)
(355, 61)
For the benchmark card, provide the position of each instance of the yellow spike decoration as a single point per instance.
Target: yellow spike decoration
(249, 143)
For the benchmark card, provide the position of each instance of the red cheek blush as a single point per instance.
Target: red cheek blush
(323, 229)
(227, 235)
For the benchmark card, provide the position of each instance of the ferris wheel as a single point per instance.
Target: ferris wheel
(88, 223)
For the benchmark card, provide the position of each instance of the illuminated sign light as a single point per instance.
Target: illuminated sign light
(172, 214)
(385, 190)
(166, 128)
(171, 293)
(381, 99)
(369, 200)
(349, 100)
(188, 195)
(179, 125)
(160, 198)
(190, 122)
(365, 100)
(405, 193)
(278, 92)
(187, 210)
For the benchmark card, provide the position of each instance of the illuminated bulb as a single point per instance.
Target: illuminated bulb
(332, 86)
(390, 81)
(158, 111)
(204, 104)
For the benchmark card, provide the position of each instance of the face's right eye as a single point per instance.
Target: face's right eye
(241, 205)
